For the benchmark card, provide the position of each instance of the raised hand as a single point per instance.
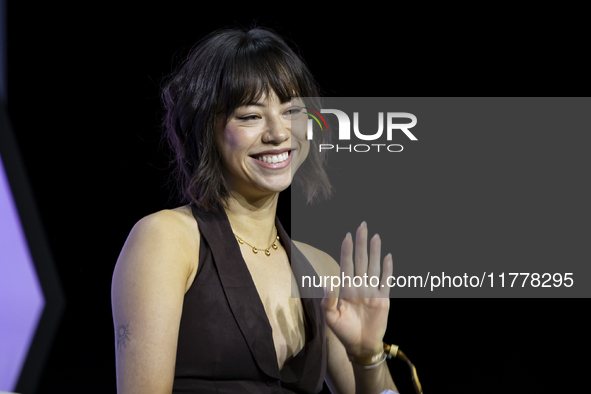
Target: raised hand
(359, 315)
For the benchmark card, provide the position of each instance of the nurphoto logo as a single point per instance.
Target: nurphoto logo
(344, 124)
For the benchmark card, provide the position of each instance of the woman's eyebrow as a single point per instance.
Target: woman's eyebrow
(256, 104)
(262, 104)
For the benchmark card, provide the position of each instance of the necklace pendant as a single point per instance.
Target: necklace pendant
(255, 250)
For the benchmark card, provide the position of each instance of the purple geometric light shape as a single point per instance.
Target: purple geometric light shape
(21, 297)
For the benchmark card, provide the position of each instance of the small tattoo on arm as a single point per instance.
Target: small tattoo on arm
(123, 334)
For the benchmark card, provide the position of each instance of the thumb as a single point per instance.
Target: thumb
(329, 305)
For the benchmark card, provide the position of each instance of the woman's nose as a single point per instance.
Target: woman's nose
(277, 131)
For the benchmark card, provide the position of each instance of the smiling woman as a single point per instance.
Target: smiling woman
(196, 307)
(228, 74)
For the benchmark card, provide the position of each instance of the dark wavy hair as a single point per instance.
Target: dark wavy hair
(225, 70)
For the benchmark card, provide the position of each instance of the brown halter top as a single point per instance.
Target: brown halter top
(225, 340)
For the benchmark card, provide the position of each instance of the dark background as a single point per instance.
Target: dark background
(83, 99)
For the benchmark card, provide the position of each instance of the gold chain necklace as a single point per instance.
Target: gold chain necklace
(255, 250)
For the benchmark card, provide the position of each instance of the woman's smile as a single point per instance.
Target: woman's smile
(273, 159)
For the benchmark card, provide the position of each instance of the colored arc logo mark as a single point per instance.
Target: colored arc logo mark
(315, 118)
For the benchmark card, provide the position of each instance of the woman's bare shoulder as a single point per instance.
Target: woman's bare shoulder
(177, 221)
(176, 224)
(322, 262)
(184, 213)
(181, 217)
(168, 236)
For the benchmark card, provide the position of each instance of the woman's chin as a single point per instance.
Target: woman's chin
(278, 187)
(263, 190)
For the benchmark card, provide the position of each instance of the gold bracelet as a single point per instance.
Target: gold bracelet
(380, 361)
(368, 361)
(389, 351)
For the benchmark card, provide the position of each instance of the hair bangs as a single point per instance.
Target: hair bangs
(259, 69)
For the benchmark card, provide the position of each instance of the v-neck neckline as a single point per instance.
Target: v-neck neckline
(247, 306)
(287, 245)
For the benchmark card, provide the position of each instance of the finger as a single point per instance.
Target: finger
(347, 256)
(375, 250)
(387, 271)
(361, 250)
(329, 306)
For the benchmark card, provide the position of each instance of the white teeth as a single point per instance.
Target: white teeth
(274, 159)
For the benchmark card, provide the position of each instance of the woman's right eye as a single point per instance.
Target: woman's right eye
(248, 117)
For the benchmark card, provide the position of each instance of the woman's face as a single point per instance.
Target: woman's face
(259, 150)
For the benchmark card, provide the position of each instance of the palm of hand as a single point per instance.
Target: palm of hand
(360, 315)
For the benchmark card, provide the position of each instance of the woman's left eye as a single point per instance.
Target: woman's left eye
(294, 111)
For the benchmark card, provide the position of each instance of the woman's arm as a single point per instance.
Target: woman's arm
(358, 315)
(343, 377)
(149, 283)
